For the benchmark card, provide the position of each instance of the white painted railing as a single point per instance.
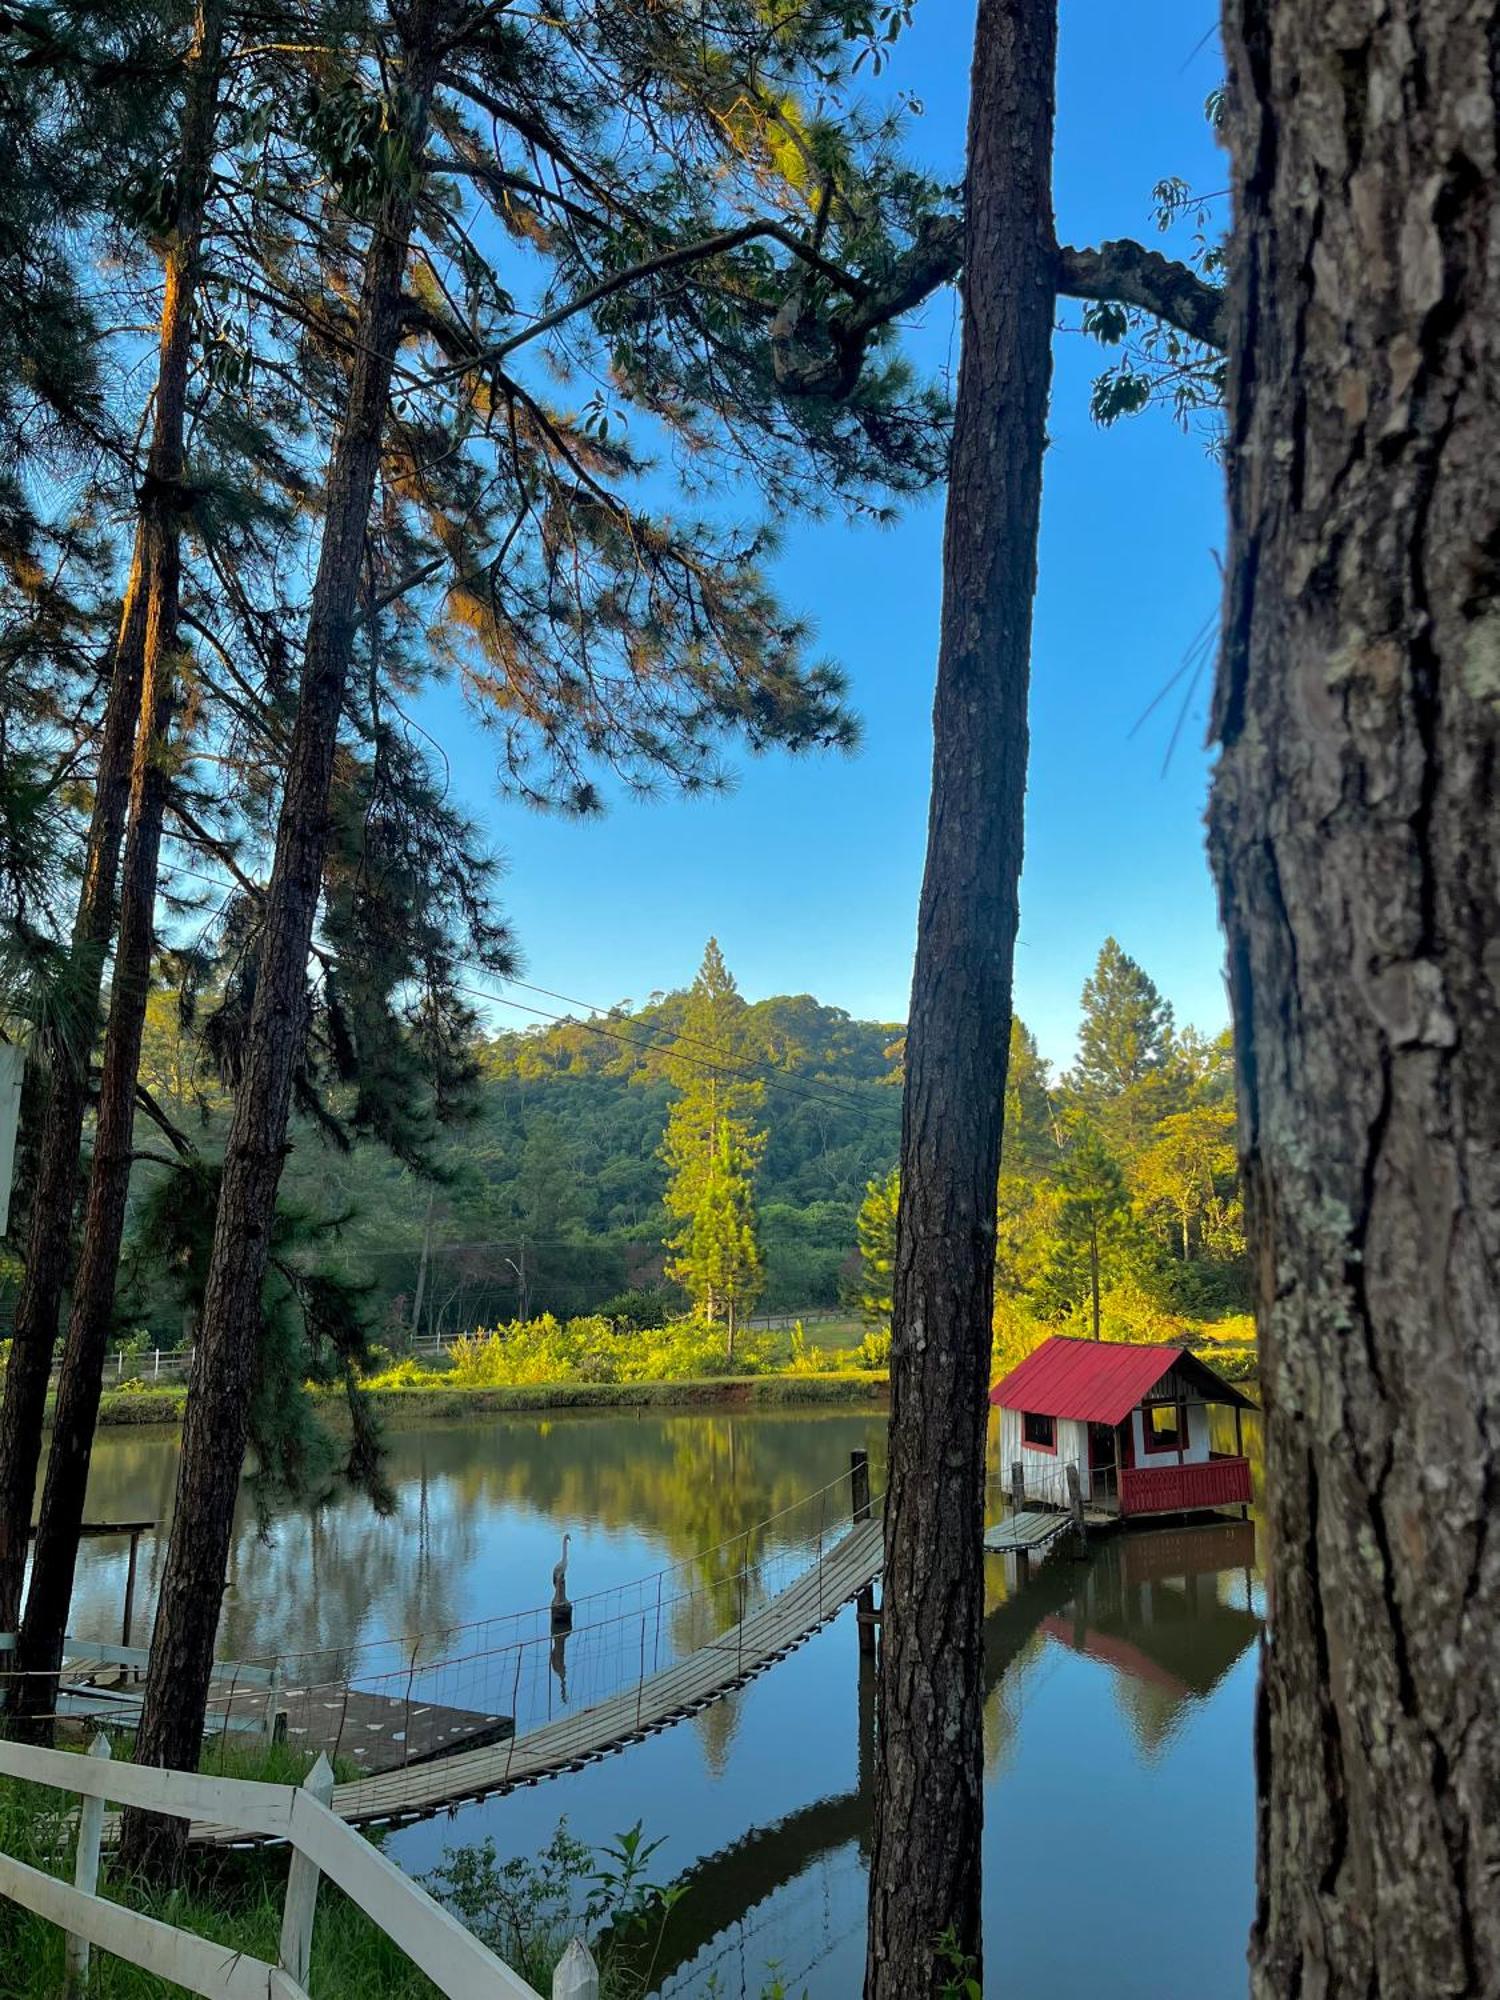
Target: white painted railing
(321, 1844)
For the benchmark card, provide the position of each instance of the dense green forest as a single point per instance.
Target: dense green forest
(556, 1179)
(549, 1196)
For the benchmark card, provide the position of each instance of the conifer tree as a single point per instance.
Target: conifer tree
(658, 169)
(1090, 1225)
(719, 1262)
(876, 1229)
(128, 772)
(711, 1116)
(1125, 1073)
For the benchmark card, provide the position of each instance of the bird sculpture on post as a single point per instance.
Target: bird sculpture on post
(562, 1611)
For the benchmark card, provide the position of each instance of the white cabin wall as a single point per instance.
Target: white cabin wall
(1045, 1476)
(1073, 1449)
(1197, 1451)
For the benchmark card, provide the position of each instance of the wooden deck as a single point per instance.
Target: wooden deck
(379, 1733)
(1037, 1528)
(374, 1731)
(736, 1656)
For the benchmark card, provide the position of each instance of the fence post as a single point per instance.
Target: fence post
(273, 1702)
(86, 1872)
(301, 1905)
(577, 1976)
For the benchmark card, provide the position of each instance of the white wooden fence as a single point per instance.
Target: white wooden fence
(321, 1844)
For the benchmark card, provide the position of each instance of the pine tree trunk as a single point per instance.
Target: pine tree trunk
(69, 1046)
(1094, 1271)
(224, 1372)
(925, 1867)
(1357, 846)
(81, 1377)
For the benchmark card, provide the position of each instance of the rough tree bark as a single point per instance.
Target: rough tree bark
(81, 1378)
(224, 1370)
(1357, 847)
(925, 1868)
(68, 1046)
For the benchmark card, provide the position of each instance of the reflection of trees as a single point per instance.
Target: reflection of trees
(1124, 1577)
(691, 1483)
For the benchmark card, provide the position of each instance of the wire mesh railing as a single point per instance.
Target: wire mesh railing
(410, 1695)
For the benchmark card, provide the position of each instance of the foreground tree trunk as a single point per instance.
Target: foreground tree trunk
(1357, 847)
(67, 1047)
(50, 1593)
(224, 1370)
(925, 1868)
(68, 1043)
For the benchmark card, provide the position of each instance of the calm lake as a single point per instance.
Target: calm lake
(1119, 1835)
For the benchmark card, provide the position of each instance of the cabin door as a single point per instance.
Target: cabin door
(1104, 1477)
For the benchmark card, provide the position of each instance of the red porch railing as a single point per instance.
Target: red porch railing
(1176, 1489)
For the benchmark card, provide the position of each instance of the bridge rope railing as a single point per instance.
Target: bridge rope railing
(521, 1668)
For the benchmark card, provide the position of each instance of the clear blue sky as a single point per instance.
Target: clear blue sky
(809, 872)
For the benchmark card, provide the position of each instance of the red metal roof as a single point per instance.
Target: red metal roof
(1094, 1381)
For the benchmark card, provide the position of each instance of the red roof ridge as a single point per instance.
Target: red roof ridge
(1097, 1381)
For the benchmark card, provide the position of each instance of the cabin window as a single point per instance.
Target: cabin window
(1166, 1427)
(1039, 1432)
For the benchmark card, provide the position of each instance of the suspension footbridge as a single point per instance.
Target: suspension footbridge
(432, 1720)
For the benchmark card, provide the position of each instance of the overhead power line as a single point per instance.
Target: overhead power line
(727, 1066)
(723, 1067)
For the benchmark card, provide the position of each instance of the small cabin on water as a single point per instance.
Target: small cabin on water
(1133, 1420)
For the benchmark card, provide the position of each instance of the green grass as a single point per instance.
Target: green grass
(439, 1403)
(231, 1899)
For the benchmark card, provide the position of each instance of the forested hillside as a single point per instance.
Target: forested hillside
(551, 1193)
(550, 1197)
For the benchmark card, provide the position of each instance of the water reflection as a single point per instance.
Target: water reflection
(1117, 1720)
(1162, 1619)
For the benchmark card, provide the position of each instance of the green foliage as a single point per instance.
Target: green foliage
(594, 1349)
(1092, 1236)
(871, 1293)
(313, 1329)
(1118, 1196)
(527, 1911)
(718, 1262)
(712, 1151)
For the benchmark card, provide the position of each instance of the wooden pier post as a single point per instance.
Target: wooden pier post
(128, 1620)
(1075, 1504)
(1018, 1487)
(866, 1617)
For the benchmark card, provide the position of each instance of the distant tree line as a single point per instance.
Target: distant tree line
(1118, 1179)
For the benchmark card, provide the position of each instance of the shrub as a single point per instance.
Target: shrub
(406, 1374)
(874, 1351)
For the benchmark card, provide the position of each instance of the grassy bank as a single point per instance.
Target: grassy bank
(423, 1404)
(524, 1910)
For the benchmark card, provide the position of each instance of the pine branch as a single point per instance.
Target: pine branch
(1134, 276)
(184, 1146)
(824, 358)
(666, 260)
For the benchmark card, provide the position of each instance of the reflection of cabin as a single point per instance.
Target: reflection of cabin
(1133, 1420)
(1154, 1610)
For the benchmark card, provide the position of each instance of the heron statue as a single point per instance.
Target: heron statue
(562, 1610)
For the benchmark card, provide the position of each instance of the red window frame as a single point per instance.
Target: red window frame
(1035, 1444)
